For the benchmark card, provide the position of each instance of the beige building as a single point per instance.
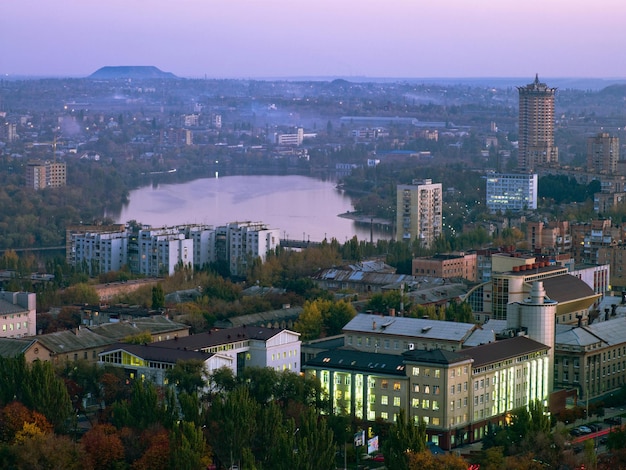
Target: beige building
(591, 359)
(457, 394)
(419, 212)
(41, 175)
(446, 266)
(550, 237)
(536, 126)
(602, 153)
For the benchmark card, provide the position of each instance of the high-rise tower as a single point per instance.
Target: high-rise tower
(419, 208)
(536, 126)
(602, 153)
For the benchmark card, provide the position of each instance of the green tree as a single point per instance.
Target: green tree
(404, 437)
(158, 297)
(187, 376)
(188, 447)
(80, 294)
(232, 424)
(44, 392)
(310, 321)
(314, 443)
(338, 315)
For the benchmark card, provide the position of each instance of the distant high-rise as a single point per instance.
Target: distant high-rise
(536, 126)
(602, 153)
(419, 208)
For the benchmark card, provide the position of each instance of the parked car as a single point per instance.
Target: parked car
(378, 458)
(585, 429)
(595, 427)
(575, 432)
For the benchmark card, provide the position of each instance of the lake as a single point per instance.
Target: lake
(301, 207)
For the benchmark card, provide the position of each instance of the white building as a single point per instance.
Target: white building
(511, 192)
(157, 252)
(99, 249)
(161, 250)
(247, 346)
(249, 240)
(17, 314)
(419, 212)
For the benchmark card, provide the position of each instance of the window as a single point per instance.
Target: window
(416, 371)
(396, 401)
(416, 388)
(437, 373)
(436, 390)
(384, 415)
(425, 404)
(384, 383)
(435, 405)
(427, 389)
(451, 405)
(384, 400)
(415, 402)
(396, 386)
(451, 389)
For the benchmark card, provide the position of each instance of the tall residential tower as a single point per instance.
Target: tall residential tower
(536, 126)
(418, 214)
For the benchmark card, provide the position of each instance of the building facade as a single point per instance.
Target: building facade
(602, 153)
(457, 394)
(99, 249)
(511, 192)
(536, 126)
(462, 265)
(160, 251)
(17, 314)
(41, 175)
(419, 212)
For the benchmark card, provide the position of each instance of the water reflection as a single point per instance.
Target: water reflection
(303, 208)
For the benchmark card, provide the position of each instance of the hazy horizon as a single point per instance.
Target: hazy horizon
(274, 39)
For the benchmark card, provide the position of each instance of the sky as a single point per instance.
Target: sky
(316, 38)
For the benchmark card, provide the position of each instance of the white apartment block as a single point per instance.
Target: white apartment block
(17, 314)
(157, 252)
(511, 192)
(99, 249)
(249, 240)
(162, 250)
(419, 212)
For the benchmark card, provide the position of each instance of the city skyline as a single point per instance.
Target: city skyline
(280, 38)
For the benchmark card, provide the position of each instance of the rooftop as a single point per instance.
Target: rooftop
(410, 327)
(358, 361)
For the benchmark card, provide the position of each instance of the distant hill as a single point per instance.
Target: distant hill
(135, 72)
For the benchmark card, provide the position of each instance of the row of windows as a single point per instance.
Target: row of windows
(426, 389)
(291, 352)
(425, 404)
(426, 372)
(14, 326)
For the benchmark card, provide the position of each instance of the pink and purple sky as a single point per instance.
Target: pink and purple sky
(318, 38)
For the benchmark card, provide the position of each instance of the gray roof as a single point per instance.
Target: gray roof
(154, 324)
(261, 318)
(13, 347)
(611, 332)
(153, 352)
(410, 327)
(217, 337)
(62, 342)
(344, 359)
(438, 293)
(6, 308)
(434, 356)
(502, 350)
